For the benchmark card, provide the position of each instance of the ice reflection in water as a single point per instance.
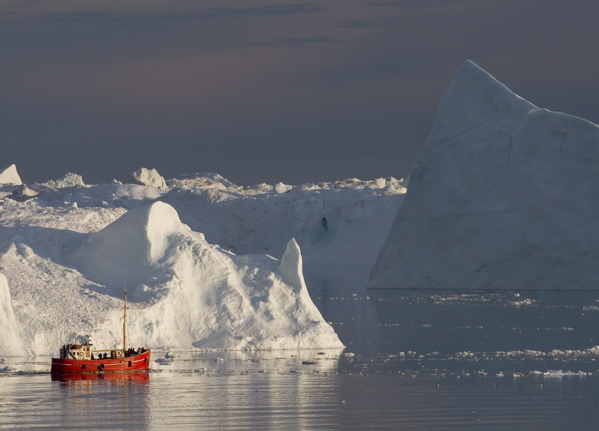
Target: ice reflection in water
(440, 332)
(414, 360)
(254, 401)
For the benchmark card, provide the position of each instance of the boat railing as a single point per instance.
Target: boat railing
(117, 353)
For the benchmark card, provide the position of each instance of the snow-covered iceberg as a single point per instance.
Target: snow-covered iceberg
(185, 293)
(69, 250)
(503, 196)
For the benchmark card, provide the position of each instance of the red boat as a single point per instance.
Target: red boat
(83, 358)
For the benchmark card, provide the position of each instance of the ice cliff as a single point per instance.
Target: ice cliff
(504, 195)
(337, 222)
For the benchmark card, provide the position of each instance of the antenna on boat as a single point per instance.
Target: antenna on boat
(125, 323)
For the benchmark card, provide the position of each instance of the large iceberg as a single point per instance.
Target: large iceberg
(504, 195)
(69, 251)
(185, 293)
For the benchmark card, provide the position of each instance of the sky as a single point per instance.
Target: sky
(267, 91)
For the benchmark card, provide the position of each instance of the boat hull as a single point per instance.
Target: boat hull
(129, 363)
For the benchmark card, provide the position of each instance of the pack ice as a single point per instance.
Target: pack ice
(504, 195)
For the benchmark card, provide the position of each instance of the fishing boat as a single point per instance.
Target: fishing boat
(83, 358)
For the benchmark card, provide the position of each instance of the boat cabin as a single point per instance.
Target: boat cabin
(83, 352)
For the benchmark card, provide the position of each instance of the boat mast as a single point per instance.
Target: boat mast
(125, 324)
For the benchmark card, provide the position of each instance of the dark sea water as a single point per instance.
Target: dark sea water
(414, 360)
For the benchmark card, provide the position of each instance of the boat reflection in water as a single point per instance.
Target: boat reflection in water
(123, 377)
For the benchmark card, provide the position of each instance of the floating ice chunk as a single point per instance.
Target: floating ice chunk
(164, 361)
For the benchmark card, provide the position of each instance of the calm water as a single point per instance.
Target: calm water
(414, 360)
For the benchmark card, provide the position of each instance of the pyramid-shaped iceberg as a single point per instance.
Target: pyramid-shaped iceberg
(504, 195)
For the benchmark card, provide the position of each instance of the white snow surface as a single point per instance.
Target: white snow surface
(503, 196)
(68, 252)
